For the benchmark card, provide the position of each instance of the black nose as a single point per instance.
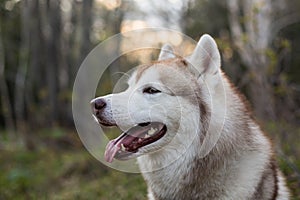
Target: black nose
(98, 104)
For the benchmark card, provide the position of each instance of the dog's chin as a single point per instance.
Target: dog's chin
(106, 124)
(103, 122)
(130, 142)
(127, 155)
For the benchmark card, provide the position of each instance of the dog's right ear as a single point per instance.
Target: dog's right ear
(205, 60)
(166, 52)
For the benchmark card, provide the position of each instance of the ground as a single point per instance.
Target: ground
(59, 169)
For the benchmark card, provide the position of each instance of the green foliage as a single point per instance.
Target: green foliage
(206, 17)
(286, 138)
(50, 173)
(55, 132)
(273, 58)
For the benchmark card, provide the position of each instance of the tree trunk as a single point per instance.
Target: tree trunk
(114, 68)
(6, 102)
(52, 35)
(261, 93)
(252, 38)
(36, 57)
(87, 14)
(21, 76)
(23, 66)
(73, 52)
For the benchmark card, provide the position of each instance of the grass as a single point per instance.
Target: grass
(60, 168)
(56, 173)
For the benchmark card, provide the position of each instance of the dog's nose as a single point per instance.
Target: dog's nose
(98, 104)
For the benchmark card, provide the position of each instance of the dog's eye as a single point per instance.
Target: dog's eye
(151, 90)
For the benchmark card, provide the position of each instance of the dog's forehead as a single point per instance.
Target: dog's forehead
(157, 69)
(150, 75)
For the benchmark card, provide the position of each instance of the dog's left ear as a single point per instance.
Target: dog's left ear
(205, 60)
(166, 52)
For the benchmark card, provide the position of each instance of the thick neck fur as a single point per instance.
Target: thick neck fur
(232, 170)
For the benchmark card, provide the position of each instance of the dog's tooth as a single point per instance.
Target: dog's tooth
(140, 140)
(152, 131)
(123, 148)
(146, 136)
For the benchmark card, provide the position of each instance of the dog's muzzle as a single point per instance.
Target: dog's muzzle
(98, 106)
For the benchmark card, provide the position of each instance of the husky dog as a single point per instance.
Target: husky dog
(191, 131)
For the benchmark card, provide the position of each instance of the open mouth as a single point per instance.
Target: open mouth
(131, 140)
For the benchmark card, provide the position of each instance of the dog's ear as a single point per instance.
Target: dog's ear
(206, 57)
(166, 52)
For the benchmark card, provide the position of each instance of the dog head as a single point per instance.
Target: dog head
(164, 103)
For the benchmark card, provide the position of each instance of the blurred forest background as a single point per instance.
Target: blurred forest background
(43, 42)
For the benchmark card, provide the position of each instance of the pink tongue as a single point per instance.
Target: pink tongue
(127, 137)
(111, 150)
(112, 147)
